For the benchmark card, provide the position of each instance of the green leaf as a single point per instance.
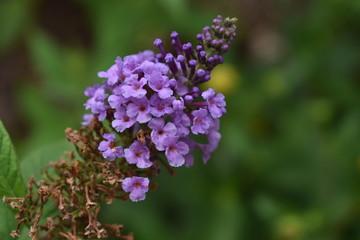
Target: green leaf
(8, 223)
(11, 182)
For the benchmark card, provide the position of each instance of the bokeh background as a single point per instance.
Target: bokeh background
(288, 165)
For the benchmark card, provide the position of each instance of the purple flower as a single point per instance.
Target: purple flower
(175, 151)
(97, 101)
(113, 73)
(178, 105)
(150, 67)
(90, 91)
(133, 87)
(213, 135)
(132, 62)
(87, 119)
(158, 95)
(156, 73)
(141, 57)
(213, 138)
(216, 104)
(122, 120)
(108, 149)
(201, 121)
(189, 158)
(160, 131)
(181, 87)
(137, 186)
(160, 107)
(115, 101)
(160, 84)
(182, 122)
(206, 152)
(138, 154)
(139, 109)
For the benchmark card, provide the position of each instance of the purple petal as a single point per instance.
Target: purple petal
(130, 156)
(102, 116)
(115, 101)
(165, 93)
(119, 152)
(132, 110)
(127, 184)
(143, 163)
(208, 93)
(189, 160)
(182, 148)
(156, 123)
(143, 117)
(215, 111)
(109, 136)
(170, 129)
(109, 154)
(175, 158)
(170, 141)
(137, 195)
(103, 146)
(103, 74)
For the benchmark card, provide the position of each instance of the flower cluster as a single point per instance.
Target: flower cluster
(144, 117)
(153, 104)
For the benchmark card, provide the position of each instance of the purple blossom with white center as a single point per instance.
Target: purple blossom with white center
(133, 87)
(113, 73)
(216, 104)
(139, 108)
(138, 154)
(160, 84)
(160, 107)
(175, 151)
(201, 121)
(137, 186)
(160, 131)
(108, 149)
(122, 120)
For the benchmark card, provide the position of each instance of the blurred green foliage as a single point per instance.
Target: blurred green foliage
(288, 165)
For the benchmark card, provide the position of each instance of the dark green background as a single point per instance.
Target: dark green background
(288, 164)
